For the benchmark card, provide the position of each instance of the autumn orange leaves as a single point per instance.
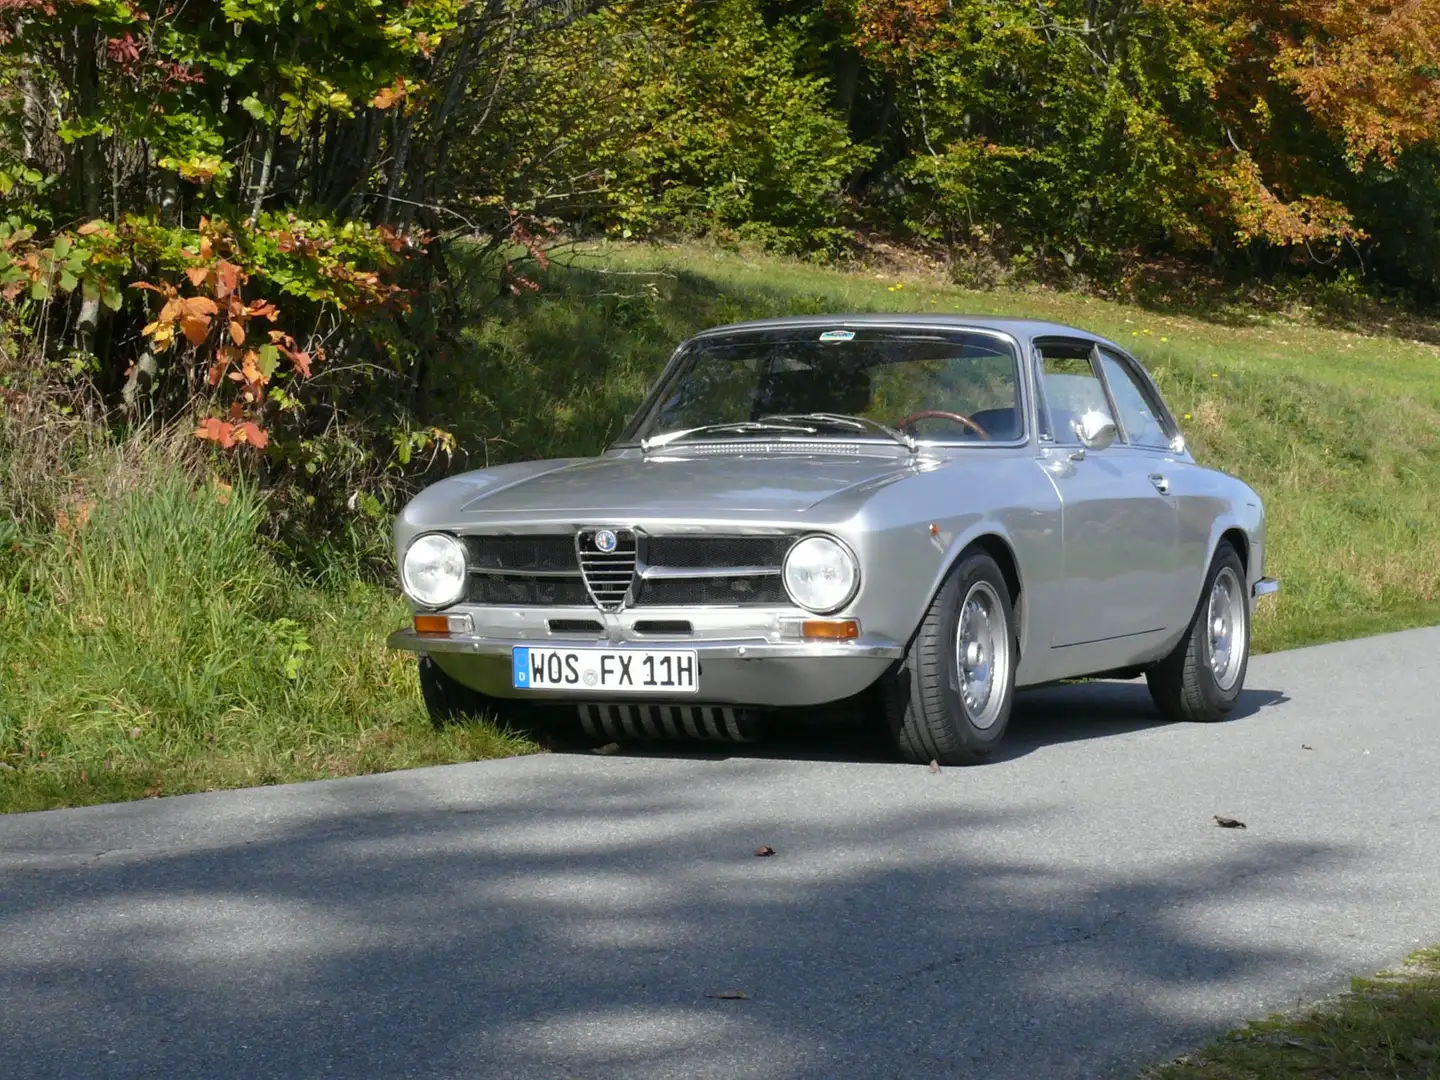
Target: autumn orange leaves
(236, 353)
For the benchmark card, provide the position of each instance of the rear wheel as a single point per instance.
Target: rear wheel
(1202, 678)
(950, 699)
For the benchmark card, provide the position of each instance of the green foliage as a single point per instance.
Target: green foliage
(731, 132)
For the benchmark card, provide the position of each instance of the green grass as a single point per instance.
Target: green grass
(1337, 429)
(1387, 1026)
(153, 646)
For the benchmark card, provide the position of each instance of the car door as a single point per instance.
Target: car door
(1119, 526)
(1150, 431)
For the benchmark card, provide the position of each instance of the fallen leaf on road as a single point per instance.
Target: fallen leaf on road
(764, 850)
(1305, 746)
(608, 748)
(1228, 822)
(934, 765)
(730, 995)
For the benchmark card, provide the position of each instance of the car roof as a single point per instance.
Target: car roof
(1021, 328)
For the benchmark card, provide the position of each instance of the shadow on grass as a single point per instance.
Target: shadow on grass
(535, 919)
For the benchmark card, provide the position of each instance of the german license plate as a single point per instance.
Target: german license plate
(629, 671)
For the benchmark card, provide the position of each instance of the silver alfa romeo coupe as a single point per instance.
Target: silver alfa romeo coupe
(908, 517)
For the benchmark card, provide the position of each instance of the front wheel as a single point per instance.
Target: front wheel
(950, 700)
(1202, 678)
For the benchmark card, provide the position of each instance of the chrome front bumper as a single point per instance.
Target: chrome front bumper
(735, 671)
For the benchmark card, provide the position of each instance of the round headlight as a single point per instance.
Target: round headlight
(433, 570)
(820, 574)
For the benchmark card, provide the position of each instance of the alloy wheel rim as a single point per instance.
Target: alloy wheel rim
(982, 654)
(1226, 628)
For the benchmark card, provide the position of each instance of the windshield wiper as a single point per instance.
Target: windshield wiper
(741, 427)
(854, 423)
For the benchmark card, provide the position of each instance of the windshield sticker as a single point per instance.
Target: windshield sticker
(838, 335)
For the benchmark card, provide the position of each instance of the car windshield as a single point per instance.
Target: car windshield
(883, 384)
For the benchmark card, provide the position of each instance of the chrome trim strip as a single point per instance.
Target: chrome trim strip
(719, 649)
(485, 571)
(667, 573)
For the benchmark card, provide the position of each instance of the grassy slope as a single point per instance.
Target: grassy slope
(157, 647)
(1340, 432)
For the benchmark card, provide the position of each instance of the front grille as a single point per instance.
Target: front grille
(761, 590)
(720, 552)
(566, 570)
(608, 574)
(527, 591)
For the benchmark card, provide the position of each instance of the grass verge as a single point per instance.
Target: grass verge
(153, 646)
(1386, 1026)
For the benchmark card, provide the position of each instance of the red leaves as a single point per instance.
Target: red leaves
(228, 435)
(123, 51)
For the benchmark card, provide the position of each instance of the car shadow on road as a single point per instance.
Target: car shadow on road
(1044, 716)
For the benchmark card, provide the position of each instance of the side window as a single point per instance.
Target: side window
(1071, 389)
(1142, 426)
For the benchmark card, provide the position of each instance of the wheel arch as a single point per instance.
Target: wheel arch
(1240, 540)
(998, 548)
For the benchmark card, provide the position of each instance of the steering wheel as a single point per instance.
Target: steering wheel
(940, 414)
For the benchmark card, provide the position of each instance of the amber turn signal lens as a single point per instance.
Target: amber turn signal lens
(830, 630)
(432, 624)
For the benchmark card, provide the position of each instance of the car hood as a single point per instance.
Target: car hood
(686, 486)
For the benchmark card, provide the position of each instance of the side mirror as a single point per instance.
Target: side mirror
(1095, 430)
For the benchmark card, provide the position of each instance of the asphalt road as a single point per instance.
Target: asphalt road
(1069, 910)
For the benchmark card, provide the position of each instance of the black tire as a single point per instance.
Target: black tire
(448, 701)
(925, 706)
(1186, 685)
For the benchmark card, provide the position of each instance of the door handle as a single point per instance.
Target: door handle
(1162, 485)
